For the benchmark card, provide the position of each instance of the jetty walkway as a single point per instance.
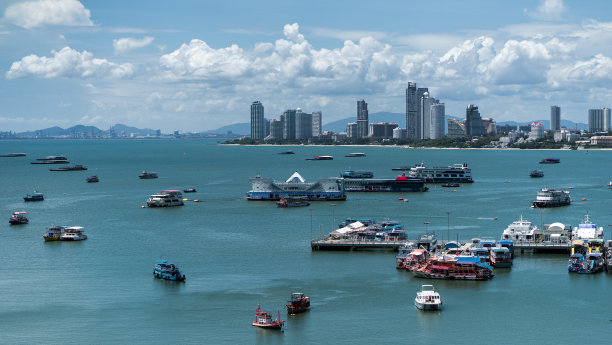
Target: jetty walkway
(354, 244)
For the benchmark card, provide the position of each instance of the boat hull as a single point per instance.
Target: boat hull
(427, 306)
(275, 325)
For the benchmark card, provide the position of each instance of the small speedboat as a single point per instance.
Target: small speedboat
(189, 190)
(536, 173)
(320, 158)
(610, 184)
(93, 178)
(428, 298)
(356, 154)
(264, 320)
(167, 270)
(19, 217)
(147, 175)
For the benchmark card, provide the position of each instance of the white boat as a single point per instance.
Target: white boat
(166, 198)
(73, 233)
(520, 231)
(458, 173)
(587, 230)
(552, 198)
(428, 298)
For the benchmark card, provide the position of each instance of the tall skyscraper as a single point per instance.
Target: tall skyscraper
(473, 122)
(317, 123)
(276, 129)
(419, 115)
(362, 118)
(258, 129)
(606, 119)
(412, 105)
(555, 118)
(425, 111)
(596, 120)
(436, 119)
(288, 118)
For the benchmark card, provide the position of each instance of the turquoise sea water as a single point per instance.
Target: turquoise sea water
(237, 253)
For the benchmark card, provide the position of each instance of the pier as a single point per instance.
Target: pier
(356, 244)
(542, 247)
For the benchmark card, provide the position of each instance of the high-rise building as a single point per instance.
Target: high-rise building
(456, 129)
(381, 130)
(362, 118)
(555, 118)
(473, 122)
(351, 130)
(419, 115)
(399, 133)
(317, 123)
(258, 130)
(276, 129)
(436, 120)
(425, 111)
(489, 125)
(288, 119)
(606, 119)
(412, 105)
(596, 120)
(303, 124)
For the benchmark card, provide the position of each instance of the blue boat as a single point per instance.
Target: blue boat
(167, 270)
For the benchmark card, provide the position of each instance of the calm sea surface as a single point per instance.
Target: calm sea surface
(237, 253)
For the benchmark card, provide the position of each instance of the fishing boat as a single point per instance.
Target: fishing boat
(356, 154)
(166, 198)
(53, 233)
(292, 202)
(147, 175)
(264, 320)
(320, 158)
(34, 197)
(552, 198)
(536, 173)
(298, 303)
(167, 270)
(427, 298)
(72, 168)
(19, 217)
(73, 233)
(93, 179)
(550, 161)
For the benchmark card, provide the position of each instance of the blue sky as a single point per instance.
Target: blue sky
(197, 65)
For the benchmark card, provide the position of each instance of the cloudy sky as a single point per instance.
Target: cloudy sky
(194, 65)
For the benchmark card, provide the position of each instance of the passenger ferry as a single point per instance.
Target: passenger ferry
(19, 217)
(264, 320)
(459, 173)
(331, 188)
(73, 233)
(427, 298)
(552, 198)
(399, 184)
(166, 198)
(167, 270)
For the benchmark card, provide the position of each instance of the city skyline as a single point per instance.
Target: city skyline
(193, 66)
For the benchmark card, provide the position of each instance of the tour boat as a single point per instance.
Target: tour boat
(34, 197)
(166, 198)
(501, 257)
(167, 270)
(147, 175)
(552, 198)
(298, 303)
(428, 298)
(53, 233)
(264, 320)
(459, 268)
(19, 217)
(73, 233)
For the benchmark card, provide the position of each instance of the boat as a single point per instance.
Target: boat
(356, 154)
(264, 320)
(166, 198)
(72, 233)
(51, 160)
(403, 253)
(298, 303)
(295, 186)
(610, 184)
(457, 267)
(286, 153)
(320, 158)
(586, 263)
(19, 217)
(500, 257)
(53, 233)
(451, 185)
(399, 184)
(402, 168)
(458, 173)
(587, 230)
(189, 190)
(34, 197)
(427, 242)
(536, 173)
(357, 174)
(167, 270)
(427, 298)
(292, 202)
(550, 161)
(552, 198)
(72, 168)
(13, 155)
(416, 259)
(93, 178)
(523, 231)
(147, 175)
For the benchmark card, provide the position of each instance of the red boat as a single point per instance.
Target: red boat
(264, 320)
(298, 303)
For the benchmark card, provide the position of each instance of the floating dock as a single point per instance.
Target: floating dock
(353, 245)
(543, 248)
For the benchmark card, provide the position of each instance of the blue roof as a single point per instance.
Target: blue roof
(472, 259)
(506, 242)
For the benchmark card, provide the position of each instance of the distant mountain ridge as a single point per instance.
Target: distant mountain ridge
(81, 131)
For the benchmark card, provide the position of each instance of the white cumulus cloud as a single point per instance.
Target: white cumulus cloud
(126, 44)
(31, 14)
(548, 10)
(68, 63)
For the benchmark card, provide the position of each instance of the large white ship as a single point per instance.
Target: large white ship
(552, 198)
(459, 173)
(331, 188)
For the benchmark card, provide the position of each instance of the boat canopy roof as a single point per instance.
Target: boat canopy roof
(510, 242)
(74, 228)
(295, 178)
(468, 259)
(451, 244)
